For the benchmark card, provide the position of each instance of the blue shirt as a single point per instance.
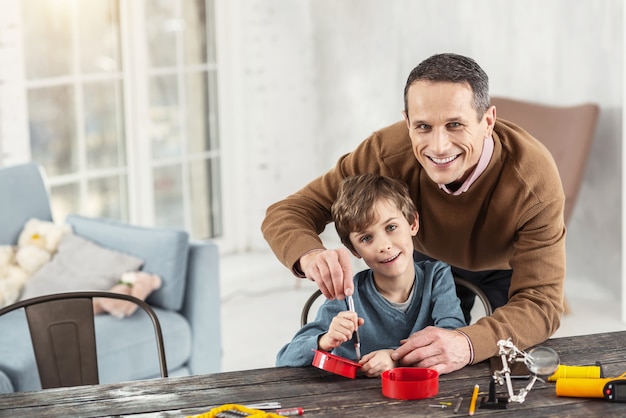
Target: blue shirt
(434, 302)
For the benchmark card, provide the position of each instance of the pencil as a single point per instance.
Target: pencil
(472, 406)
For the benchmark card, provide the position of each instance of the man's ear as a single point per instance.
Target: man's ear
(490, 119)
(406, 119)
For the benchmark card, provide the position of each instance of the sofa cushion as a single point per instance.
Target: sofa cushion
(132, 353)
(126, 348)
(80, 264)
(164, 251)
(17, 359)
(5, 383)
(25, 196)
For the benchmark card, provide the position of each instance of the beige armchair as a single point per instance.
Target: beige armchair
(567, 131)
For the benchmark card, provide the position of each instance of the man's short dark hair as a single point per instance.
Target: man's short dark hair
(452, 68)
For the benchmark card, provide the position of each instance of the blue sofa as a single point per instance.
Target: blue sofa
(187, 304)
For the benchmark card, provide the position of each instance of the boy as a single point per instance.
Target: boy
(376, 220)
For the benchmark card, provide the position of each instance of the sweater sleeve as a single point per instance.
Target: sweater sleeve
(445, 304)
(533, 311)
(300, 351)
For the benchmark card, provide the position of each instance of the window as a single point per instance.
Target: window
(122, 109)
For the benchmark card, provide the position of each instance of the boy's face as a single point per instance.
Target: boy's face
(387, 245)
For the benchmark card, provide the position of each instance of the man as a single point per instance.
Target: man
(490, 201)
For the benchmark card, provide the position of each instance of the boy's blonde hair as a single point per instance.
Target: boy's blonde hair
(353, 210)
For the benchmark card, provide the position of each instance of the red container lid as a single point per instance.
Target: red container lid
(410, 383)
(335, 364)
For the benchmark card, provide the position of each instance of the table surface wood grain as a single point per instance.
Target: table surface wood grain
(322, 394)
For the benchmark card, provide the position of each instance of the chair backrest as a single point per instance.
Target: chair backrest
(567, 131)
(304, 315)
(24, 196)
(477, 291)
(62, 331)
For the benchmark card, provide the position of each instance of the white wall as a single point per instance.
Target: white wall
(623, 293)
(269, 120)
(319, 75)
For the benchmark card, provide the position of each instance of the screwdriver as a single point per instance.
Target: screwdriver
(357, 343)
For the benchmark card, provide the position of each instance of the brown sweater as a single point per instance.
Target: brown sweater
(510, 218)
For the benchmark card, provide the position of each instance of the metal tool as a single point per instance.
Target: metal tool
(458, 405)
(540, 361)
(357, 342)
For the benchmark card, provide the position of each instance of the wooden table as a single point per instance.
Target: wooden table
(322, 394)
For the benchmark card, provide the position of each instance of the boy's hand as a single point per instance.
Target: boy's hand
(376, 362)
(341, 329)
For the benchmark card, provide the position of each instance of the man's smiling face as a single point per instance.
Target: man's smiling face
(446, 133)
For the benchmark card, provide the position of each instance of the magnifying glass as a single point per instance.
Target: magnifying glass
(542, 361)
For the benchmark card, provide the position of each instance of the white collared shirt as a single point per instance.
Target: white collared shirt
(483, 161)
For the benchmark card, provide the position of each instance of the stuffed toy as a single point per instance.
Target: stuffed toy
(136, 283)
(43, 234)
(36, 245)
(12, 277)
(38, 242)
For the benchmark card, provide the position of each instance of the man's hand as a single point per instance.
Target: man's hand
(340, 330)
(375, 363)
(331, 270)
(440, 349)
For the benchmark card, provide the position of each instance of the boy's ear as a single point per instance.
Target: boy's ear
(415, 226)
(350, 247)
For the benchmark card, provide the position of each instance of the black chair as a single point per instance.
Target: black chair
(304, 316)
(62, 331)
